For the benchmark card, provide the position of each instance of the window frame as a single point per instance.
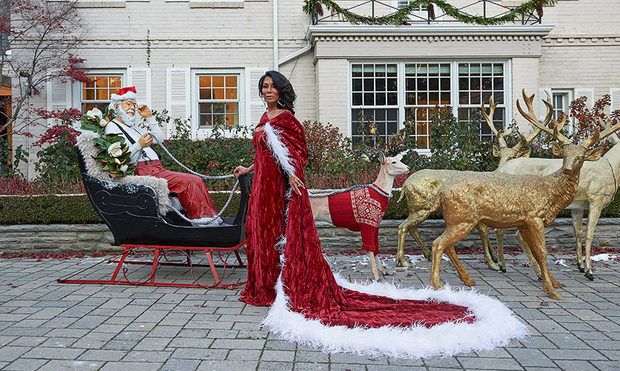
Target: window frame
(454, 87)
(78, 85)
(569, 98)
(204, 132)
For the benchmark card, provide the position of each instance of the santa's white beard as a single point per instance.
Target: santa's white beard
(129, 120)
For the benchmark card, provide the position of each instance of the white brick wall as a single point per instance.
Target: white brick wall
(581, 51)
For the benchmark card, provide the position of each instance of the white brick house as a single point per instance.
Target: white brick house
(203, 58)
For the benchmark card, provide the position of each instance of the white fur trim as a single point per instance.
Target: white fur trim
(88, 149)
(495, 325)
(278, 149)
(128, 95)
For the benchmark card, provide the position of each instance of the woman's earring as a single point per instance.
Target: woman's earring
(280, 103)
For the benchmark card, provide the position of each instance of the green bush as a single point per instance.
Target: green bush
(70, 209)
(76, 209)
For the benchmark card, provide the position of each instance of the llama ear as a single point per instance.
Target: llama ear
(381, 157)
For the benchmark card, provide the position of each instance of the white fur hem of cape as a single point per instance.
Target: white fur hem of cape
(278, 149)
(495, 325)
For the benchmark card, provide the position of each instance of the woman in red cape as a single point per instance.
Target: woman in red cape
(311, 305)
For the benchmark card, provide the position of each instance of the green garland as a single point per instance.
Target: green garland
(314, 7)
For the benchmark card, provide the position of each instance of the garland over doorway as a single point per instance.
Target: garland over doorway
(315, 7)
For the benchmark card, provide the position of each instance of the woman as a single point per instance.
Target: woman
(286, 266)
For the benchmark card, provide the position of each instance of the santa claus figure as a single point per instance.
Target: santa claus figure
(137, 124)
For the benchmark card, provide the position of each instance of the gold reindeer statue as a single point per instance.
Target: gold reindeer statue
(422, 191)
(527, 202)
(597, 187)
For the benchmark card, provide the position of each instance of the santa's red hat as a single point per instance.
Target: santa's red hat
(128, 92)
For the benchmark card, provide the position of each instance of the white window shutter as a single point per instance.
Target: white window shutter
(615, 98)
(141, 79)
(588, 92)
(178, 94)
(58, 96)
(254, 103)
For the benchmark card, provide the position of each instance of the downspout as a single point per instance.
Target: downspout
(276, 36)
(301, 51)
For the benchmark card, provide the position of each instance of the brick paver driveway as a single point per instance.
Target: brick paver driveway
(51, 326)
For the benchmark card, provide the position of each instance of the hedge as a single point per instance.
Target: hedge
(76, 209)
(68, 209)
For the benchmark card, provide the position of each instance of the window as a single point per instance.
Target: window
(404, 3)
(387, 94)
(375, 102)
(561, 101)
(418, 13)
(426, 86)
(97, 92)
(218, 99)
(477, 83)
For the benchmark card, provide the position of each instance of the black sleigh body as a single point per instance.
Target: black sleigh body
(137, 220)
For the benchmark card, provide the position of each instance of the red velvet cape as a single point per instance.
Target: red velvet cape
(307, 278)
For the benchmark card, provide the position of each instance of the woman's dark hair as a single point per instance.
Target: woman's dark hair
(287, 94)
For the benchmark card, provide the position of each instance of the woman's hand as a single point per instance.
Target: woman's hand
(296, 183)
(241, 170)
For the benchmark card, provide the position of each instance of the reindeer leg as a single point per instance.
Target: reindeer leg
(534, 236)
(373, 265)
(577, 216)
(446, 242)
(410, 225)
(524, 245)
(593, 215)
(403, 228)
(460, 268)
(415, 233)
(483, 231)
(500, 249)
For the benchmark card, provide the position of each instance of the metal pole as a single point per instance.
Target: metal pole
(373, 8)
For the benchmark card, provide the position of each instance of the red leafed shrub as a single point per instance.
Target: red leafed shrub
(66, 115)
(590, 118)
(57, 134)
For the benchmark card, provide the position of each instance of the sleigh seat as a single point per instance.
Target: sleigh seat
(140, 215)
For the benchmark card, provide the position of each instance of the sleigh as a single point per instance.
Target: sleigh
(144, 221)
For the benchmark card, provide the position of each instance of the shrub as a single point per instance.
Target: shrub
(69, 209)
(57, 161)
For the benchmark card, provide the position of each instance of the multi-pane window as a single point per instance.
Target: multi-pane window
(387, 94)
(561, 100)
(427, 85)
(418, 13)
(477, 83)
(218, 100)
(374, 111)
(97, 92)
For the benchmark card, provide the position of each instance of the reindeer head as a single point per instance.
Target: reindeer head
(574, 154)
(501, 149)
(393, 165)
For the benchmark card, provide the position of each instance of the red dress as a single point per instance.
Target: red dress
(307, 291)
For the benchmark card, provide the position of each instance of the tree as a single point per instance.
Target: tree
(40, 40)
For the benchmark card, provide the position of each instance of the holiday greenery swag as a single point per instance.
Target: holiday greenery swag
(113, 152)
(315, 7)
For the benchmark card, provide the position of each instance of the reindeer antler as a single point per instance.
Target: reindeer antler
(488, 117)
(544, 126)
(604, 134)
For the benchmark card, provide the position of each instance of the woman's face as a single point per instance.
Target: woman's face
(270, 92)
